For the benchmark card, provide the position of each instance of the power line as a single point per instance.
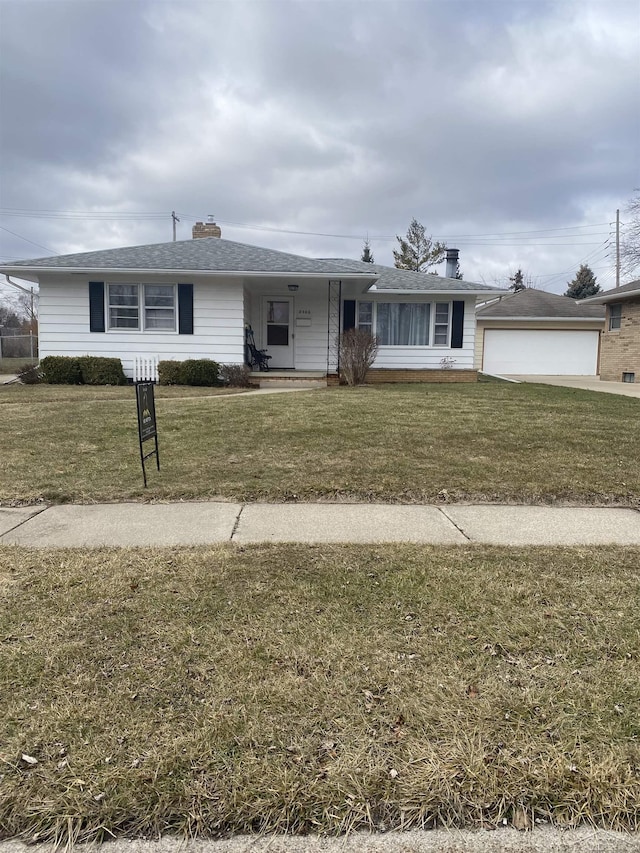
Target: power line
(491, 236)
(27, 240)
(494, 238)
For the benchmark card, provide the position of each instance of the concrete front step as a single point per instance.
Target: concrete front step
(290, 379)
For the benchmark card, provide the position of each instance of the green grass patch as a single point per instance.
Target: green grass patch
(230, 690)
(483, 442)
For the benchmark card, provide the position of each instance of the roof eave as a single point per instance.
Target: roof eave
(543, 319)
(443, 291)
(27, 272)
(620, 296)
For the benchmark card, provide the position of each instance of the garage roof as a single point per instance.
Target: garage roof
(531, 304)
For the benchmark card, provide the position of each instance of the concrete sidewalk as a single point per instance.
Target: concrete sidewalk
(585, 383)
(544, 839)
(204, 523)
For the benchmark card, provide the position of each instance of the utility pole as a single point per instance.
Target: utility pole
(175, 219)
(617, 248)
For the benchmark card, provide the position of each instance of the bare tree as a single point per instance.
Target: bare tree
(630, 246)
(28, 306)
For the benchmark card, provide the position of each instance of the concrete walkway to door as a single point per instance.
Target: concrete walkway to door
(585, 383)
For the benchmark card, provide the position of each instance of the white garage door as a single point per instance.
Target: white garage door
(549, 352)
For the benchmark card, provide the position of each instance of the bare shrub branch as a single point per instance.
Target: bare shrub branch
(358, 350)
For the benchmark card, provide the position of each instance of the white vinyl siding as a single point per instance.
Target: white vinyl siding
(425, 357)
(218, 324)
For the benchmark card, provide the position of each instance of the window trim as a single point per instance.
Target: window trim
(615, 322)
(432, 321)
(142, 308)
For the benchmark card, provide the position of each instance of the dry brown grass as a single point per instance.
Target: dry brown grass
(265, 688)
(421, 444)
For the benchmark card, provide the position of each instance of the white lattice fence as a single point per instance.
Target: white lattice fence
(145, 368)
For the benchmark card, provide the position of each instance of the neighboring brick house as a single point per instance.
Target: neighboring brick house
(620, 346)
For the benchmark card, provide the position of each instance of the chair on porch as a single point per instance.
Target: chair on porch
(253, 356)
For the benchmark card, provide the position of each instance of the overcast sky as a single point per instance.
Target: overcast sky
(510, 129)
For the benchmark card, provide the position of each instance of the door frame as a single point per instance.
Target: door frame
(276, 298)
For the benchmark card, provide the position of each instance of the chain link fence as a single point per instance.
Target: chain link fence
(18, 346)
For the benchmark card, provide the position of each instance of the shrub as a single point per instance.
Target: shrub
(84, 370)
(29, 374)
(61, 370)
(358, 350)
(101, 371)
(193, 371)
(199, 371)
(235, 375)
(169, 372)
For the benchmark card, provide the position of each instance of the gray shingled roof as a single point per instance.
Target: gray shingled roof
(206, 254)
(531, 304)
(612, 295)
(390, 278)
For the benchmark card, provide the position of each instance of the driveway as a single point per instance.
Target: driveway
(586, 383)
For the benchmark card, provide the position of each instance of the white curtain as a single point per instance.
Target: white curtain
(403, 324)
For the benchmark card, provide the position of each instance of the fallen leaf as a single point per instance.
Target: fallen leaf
(472, 691)
(28, 759)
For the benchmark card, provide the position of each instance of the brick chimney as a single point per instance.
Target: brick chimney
(205, 229)
(452, 262)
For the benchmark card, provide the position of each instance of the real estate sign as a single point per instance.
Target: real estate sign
(147, 428)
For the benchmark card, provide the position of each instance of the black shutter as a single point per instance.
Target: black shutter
(96, 306)
(457, 324)
(185, 309)
(348, 314)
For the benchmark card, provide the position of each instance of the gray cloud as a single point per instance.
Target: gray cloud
(342, 118)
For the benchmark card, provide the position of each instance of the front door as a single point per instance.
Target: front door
(278, 314)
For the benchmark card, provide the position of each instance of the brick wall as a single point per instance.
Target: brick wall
(620, 348)
(378, 375)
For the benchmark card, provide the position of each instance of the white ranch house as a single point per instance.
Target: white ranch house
(194, 299)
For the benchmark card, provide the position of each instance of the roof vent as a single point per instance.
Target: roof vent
(452, 262)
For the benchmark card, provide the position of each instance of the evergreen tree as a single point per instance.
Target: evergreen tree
(417, 251)
(367, 256)
(583, 285)
(517, 281)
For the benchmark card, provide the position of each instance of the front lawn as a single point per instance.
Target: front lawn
(428, 443)
(265, 688)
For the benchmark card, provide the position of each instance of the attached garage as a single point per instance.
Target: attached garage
(541, 351)
(531, 332)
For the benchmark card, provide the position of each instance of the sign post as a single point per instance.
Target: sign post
(147, 423)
